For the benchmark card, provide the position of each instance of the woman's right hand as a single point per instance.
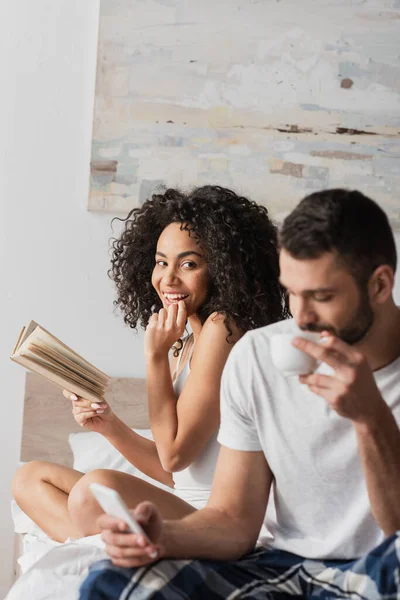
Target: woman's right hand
(93, 416)
(164, 329)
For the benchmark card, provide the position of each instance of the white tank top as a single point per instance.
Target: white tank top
(193, 484)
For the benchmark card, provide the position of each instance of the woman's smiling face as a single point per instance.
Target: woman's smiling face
(181, 270)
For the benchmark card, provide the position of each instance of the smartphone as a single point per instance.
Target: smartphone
(112, 504)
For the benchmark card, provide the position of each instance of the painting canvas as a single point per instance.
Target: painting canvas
(275, 99)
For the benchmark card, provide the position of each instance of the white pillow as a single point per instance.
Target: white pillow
(92, 451)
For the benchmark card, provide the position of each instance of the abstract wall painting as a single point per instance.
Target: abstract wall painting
(273, 99)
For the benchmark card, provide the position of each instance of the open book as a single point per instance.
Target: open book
(43, 353)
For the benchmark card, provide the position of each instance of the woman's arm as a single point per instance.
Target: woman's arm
(182, 427)
(139, 451)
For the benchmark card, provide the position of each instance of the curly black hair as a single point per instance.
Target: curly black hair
(240, 244)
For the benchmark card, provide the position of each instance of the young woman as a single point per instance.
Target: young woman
(207, 259)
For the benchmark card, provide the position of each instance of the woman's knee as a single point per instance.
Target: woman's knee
(28, 475)
(82, 504)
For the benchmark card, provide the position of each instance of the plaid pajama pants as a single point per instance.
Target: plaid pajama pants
(263, 574)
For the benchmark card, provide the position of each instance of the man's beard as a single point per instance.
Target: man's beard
(358, 327)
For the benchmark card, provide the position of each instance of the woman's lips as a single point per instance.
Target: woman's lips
(170, 298)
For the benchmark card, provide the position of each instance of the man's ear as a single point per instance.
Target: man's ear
(380, 285)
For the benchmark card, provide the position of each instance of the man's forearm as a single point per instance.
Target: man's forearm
(207, 534)
(379, 448)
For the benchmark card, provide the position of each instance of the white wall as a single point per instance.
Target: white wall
(53, 253)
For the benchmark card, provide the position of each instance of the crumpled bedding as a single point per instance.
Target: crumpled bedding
(51, 570)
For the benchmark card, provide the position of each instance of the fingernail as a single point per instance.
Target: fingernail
(151, 553)
(73, 397)
(95, 405)
(100, 412)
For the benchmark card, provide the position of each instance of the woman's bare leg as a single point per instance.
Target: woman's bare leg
(84, 509)
(41, 490)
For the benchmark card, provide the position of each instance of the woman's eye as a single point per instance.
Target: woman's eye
(161, 263)
(322, 298)
(188, 264)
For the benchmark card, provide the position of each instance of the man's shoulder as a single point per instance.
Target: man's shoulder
(264, 333)
(258, 339)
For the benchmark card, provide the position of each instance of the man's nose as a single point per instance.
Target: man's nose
(303, 313)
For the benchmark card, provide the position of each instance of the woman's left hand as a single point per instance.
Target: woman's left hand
(164, 329)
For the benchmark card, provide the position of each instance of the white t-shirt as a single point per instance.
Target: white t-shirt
(319, 490)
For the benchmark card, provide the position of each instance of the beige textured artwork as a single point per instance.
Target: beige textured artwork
(274, 98)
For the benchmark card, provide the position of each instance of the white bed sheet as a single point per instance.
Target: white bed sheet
(50, 569)
(59, 573)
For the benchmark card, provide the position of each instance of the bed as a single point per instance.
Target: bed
(43, 568)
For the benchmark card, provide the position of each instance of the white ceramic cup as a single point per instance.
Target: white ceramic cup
(290, 360)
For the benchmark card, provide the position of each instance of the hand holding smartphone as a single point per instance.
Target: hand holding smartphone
(112, 504)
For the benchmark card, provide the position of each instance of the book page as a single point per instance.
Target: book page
(34, 353)
(42, 338)
(63, 382)
(57, 358)
(25, 333)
